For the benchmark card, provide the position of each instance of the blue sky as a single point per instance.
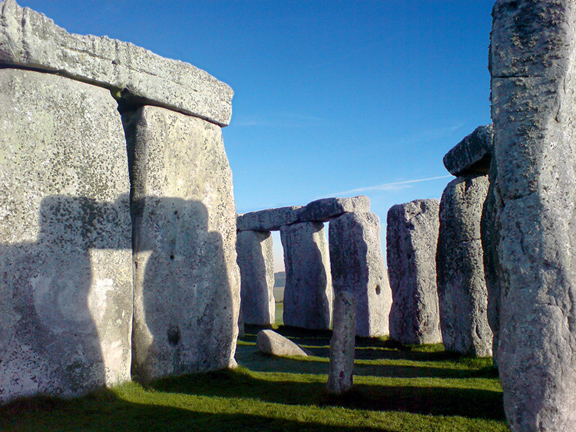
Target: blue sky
(332, 98)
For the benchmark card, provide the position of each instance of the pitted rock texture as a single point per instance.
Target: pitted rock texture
(65, 261)
(187, 281)
(270, 342)
(323, 210)
(462, 292)
(30, 39)
(256, 262)
(411, 241)
(342, 343)
(532, 57)
(472, 155)
(308, 292)
(358, 267)
(268, 220)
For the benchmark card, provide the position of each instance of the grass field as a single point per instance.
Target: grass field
(395, 389)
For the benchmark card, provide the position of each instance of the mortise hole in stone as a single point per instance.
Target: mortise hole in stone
(172, 257)
(378, 290)
(173, 335)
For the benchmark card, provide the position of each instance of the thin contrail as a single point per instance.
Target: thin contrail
(390, 186)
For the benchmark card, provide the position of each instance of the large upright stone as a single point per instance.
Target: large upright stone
(342, 343)
(532, 57)
(65, 238)
(256, 262)
(472, 155)
(462, 293)
(411, 241)
(186, 288)
(308, 291)
(358, 267)
(268, 220)
(31, 40)
(324, 209)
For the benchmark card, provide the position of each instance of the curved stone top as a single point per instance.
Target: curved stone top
(31, 40)
(472, 155)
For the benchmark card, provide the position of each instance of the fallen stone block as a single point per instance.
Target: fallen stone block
(323, 210)
(270, 342)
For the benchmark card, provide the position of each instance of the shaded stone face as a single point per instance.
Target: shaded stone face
(256, 262)
(411, 241)
(342, 343)
(268, 220)
(186, 288)
(30, 39)
(323, 210)
(358, 267)
(532, 61)
(308, 290)
(462, 292)
(65, 238)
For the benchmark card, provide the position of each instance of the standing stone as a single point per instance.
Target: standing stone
(65, 260)
(533, 52)
(187, 282)
(462, 293)
(256, 262)
(412, 237)
(358, 266)
(308, 290)
(342, 344)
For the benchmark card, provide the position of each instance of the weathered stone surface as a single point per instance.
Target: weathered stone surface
(308, 291)
(187, 281)
(30, 39)
(532, 58)
(270, 342)
(325, 209)
(462, 292)
(65, 260)
(472, 155)
(256, 262)
(268, 220)
(411, 241)
(358, 266)
(343, 343)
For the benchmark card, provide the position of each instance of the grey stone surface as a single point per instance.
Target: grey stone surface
(268, 220)
(532, 59)
(358, 266)
(65, 260)
(325, 209)
(342, 343)
(411, 241)
(308, 292)
(30, 39)
(472, 155)
(462, 292)
(256, 262)
(270, 342)
(187, 281)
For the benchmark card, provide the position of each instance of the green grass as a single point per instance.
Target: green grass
(418, 388)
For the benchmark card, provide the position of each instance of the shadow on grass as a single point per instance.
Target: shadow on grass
(471, 403)
(105, 412)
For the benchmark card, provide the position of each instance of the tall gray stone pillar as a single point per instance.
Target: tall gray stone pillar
(187, 282)
(358, 267)
(256, 262)
(462, 293)
(66, 260)
(343, 343)
(532, 58)
(411, 241)
(308, 292)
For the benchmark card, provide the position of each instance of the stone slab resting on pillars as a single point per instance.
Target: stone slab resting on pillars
(462, 293)
(65, 261)
(358, 266)
(308, 292)
(411, 241)
(532, 58)
(186, 287)
(256, 262)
